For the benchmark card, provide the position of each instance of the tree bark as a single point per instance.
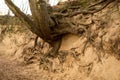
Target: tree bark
(41, 18)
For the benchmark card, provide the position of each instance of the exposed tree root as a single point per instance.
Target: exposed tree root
(61, 24)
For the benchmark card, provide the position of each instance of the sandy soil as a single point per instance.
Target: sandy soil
(88, 68)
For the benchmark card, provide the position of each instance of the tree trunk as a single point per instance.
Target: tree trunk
(41, 18)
